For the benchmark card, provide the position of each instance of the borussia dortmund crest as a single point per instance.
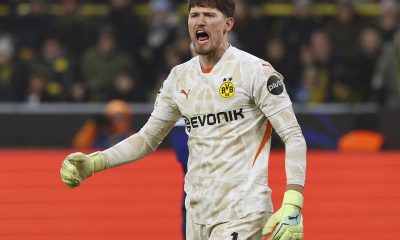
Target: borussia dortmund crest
(227, 89)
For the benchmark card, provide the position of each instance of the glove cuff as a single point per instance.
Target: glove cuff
(293, 197)
(99, 161)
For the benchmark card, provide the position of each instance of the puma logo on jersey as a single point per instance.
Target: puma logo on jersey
(186, 93)
(212, 119)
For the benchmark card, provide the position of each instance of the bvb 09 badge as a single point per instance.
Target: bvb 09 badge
(227, 89)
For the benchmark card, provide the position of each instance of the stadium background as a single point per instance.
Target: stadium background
(349, 194)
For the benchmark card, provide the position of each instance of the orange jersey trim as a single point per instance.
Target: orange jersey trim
(266, 137)
(206, 69)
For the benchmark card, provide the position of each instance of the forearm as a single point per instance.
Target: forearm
(286, 126)
(295, 155)
(138, 145)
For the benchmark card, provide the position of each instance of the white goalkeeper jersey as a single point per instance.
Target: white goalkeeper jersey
(226, 114)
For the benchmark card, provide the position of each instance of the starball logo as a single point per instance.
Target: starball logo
(213, 119)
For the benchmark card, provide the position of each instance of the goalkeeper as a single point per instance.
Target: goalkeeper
(230, 101)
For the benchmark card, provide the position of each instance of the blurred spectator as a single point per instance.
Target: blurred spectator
(298, 28)
(326, 79)
(37, 93)
(276, 54)
(78, 92)
(6, 69)
(323, 60)
(161, 23)
(32, 29)
(171, 59)
(125, 87)
(73, 29)
(343, 30)
(108, 129)
(386, 79)
(181, 45)
(101, 63)
(12, 74)
(305, 56)
(247, 24)
(59, 68)
(365, 63)
(343, 83)
(130, 31)
(307, 90)
(389, 19)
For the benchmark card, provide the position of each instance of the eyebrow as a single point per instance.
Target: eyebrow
(203, 12)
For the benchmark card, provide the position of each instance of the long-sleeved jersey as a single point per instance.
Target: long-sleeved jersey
(229, 114)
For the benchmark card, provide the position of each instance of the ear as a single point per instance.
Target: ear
(229, 22)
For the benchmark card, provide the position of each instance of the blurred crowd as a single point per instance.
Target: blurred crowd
(76, 57)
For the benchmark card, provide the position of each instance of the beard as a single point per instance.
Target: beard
(209, 49)
(203, 50)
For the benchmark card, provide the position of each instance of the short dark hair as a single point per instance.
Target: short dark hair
(227, 7)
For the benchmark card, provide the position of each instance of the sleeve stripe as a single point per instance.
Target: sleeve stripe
(266, 137)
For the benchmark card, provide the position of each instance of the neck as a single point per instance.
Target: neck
(211, 59)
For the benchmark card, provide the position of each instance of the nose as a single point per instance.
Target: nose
(200, 20)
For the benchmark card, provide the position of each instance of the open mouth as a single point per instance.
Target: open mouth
(201, 36)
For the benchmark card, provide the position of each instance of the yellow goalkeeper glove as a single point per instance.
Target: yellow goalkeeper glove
(78, 166)
(287, 221)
